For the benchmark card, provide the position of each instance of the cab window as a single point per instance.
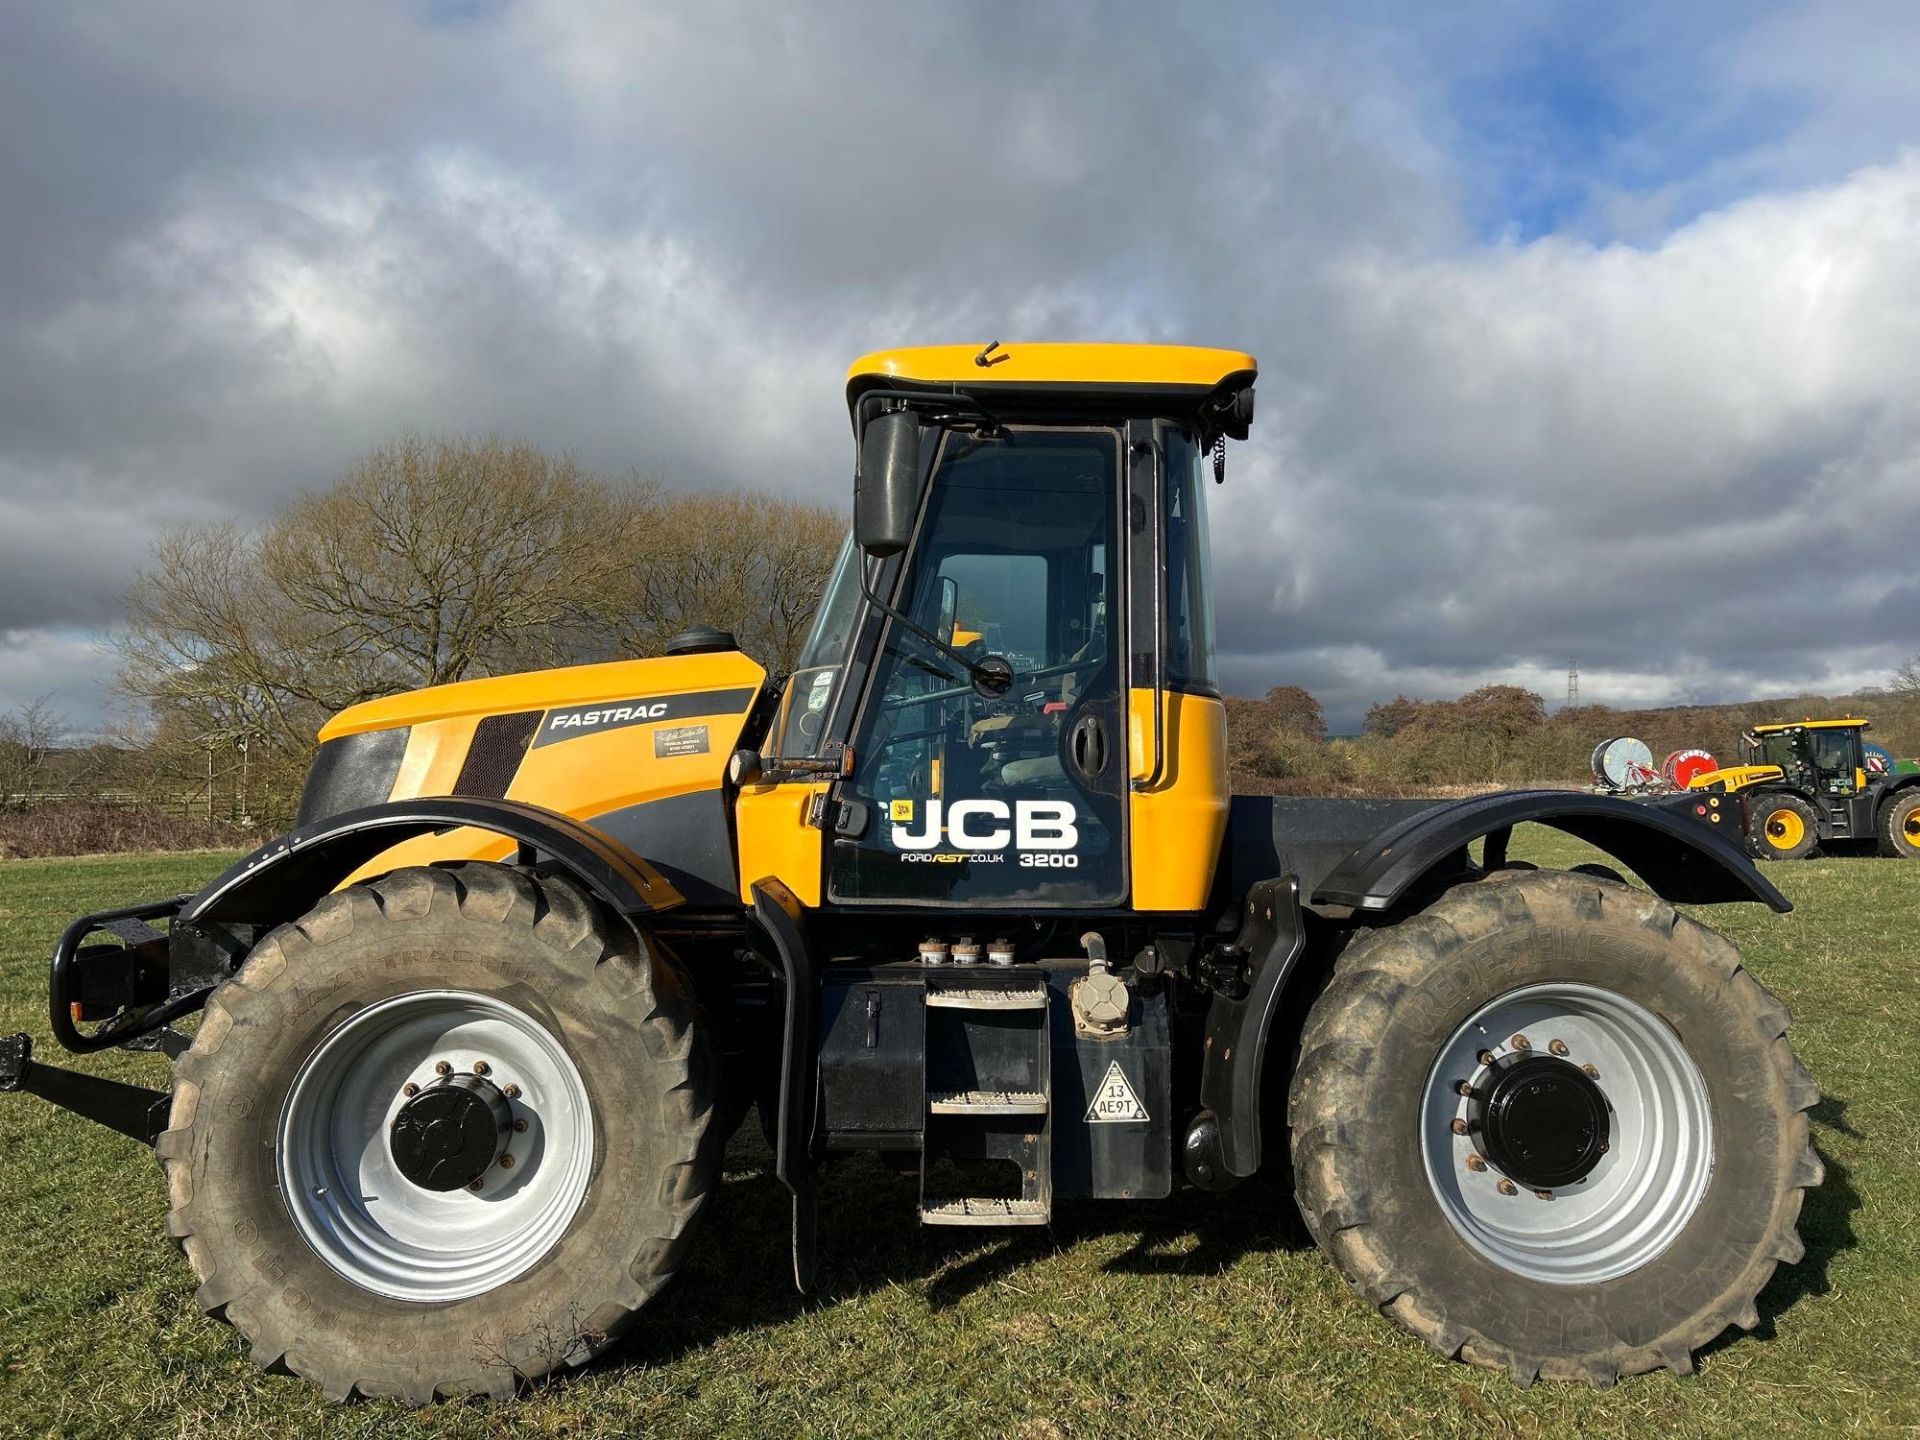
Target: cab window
(1190, 649)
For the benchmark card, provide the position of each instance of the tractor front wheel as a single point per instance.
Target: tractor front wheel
(1781, 827)
(444, 1134)
(1552, 1127)
(1900, 825)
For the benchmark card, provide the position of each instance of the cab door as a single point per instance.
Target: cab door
(1006, 794)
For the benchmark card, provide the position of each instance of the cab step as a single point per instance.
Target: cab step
(987, 1102)
(987, 997)
(985, 1211)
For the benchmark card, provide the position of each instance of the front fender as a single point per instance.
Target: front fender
(286, 877)
(1679, 859)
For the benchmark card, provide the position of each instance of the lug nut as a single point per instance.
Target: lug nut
(441, 1067)
(1459, 1127)
(1558, 1047)
(409, 1088)
(519, 1127)
(1475, 1163)
(1507, 1187)
(1591, 1071)
(1463, 1087)
(1485, 1057)
(512, 1092)
(480, 1067)
(1520, 1042)
(506, 1162)
(474, 1186)
(1543, 1194)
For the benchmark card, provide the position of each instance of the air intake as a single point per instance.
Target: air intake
(702, 640)
(499, 744)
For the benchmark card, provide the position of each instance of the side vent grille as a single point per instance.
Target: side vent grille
(499, 744)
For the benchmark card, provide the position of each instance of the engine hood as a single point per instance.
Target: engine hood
(550, 690)
(637, 748)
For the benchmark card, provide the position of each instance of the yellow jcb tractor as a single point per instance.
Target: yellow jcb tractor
(1807, 783)
(966, 889)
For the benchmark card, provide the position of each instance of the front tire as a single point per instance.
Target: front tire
(1603, 1223)
(444, 1134)
(1781, 827)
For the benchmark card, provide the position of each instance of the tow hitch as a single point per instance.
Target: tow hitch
(130, 1109)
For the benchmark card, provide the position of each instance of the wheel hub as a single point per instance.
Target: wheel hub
(1542, 1121)
(451, 1133)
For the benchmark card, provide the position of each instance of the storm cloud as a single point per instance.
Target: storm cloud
(1574, 346)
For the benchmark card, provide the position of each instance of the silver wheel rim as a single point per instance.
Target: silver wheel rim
(361, 1216)
(1643, 1190)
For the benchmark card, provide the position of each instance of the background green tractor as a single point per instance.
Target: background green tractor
(1813, 782)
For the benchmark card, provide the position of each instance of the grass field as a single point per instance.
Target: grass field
(1200, 1315)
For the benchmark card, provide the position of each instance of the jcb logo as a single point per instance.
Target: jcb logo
(993, 825)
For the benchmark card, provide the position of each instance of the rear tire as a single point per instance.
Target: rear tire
(281, 1173)
(1781, 827)
(1676, 1239)
(1900, 825)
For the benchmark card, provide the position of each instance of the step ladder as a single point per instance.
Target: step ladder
(989, 1086)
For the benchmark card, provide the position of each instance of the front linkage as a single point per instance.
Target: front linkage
(138, 987)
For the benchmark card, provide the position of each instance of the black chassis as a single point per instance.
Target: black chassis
(1296, 879)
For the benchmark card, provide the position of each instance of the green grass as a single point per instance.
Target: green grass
(1198, 1315)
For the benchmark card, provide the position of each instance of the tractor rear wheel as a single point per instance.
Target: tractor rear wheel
(444, 1134)
(1553, 1127)
(1781, 827)
(1900, 825)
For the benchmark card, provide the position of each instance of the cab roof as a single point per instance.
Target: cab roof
(1043, 368)
(1782, 726)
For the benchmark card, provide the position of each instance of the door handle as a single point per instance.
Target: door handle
(1087, 744)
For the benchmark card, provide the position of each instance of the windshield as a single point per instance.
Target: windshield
(810, 692)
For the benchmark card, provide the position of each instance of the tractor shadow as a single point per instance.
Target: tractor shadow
(1826, 1229)
(739, 1276)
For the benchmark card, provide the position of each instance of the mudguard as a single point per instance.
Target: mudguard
(286, 877)
(1679, 859)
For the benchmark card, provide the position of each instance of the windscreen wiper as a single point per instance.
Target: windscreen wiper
(991, 675)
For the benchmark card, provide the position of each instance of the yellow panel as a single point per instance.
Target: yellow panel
(1177, 827)
(1048, 363)
(436, 749)
(544, 689)
(586, 775)
(1735, 777)
(1847, 724)
(775, 839)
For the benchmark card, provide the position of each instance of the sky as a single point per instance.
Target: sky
(1586, 334)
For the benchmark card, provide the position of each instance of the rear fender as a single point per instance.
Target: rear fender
(1679, 859)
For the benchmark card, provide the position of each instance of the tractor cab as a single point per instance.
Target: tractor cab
(1014, 660)
(1815, 757)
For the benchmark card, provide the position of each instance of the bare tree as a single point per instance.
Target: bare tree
(434, 560)
(1906, 680)
(29, 735)
(744, 562)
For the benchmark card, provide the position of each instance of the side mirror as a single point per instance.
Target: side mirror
(886, 490)
(949, 609)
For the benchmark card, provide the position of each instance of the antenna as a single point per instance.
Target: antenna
(1573, 683)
